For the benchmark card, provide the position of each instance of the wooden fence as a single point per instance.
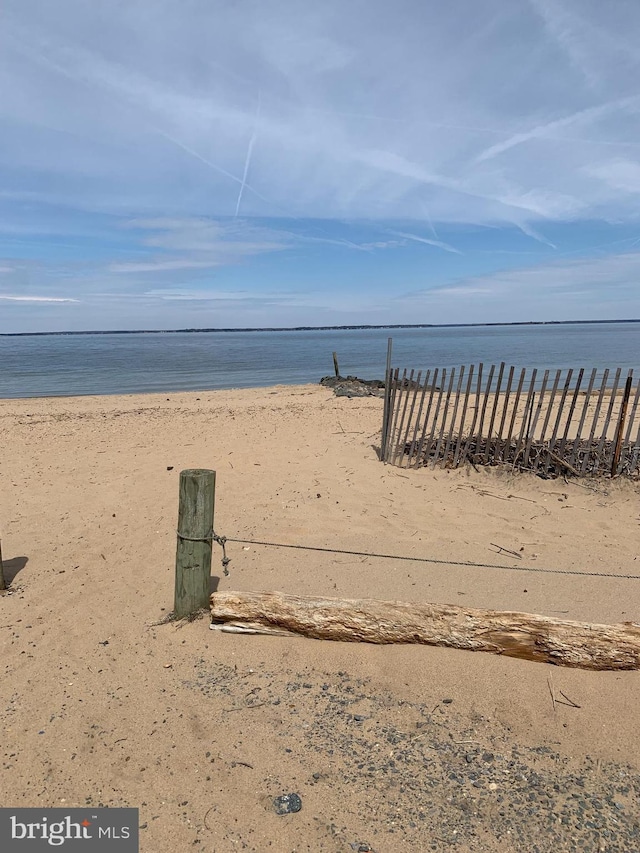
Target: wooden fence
(558, 422)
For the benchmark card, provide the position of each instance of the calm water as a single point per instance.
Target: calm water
(119, 364)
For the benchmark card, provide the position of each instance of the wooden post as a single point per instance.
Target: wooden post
(195, 528)
(3, 584)
(335, 365)
(387, 400)
(621, 422)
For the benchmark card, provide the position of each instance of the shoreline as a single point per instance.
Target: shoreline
(350, 328)
(114, 394)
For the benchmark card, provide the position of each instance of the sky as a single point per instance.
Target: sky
(208, 163)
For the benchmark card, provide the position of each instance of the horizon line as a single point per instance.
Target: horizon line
(350, 327)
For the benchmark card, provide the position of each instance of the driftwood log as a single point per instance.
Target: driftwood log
(519, 635)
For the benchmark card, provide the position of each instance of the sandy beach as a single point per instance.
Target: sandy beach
(390, 748)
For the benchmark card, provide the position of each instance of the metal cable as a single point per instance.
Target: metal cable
(431, 560)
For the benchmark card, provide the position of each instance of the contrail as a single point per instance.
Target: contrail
(535, 235)
(437, 243)
(195, 154)
(247, 161)
(214, 166)
(542, 130)
(433, 230)
(246, 169)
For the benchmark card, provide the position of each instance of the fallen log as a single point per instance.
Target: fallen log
(520, 635)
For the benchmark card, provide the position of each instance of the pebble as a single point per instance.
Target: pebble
(287, 804)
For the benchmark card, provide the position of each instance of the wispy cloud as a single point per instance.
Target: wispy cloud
(602, 280)
(563, 30)
(13, 298)
(198, 243)
(621, 175)
(160, 266)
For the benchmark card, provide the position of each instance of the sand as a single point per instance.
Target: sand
(100, 704)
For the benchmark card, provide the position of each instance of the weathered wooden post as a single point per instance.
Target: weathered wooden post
(3, 584)
(384, 439)
(335, 365)
(623, 416)
(195, 531)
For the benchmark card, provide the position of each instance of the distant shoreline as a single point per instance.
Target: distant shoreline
(318, 328)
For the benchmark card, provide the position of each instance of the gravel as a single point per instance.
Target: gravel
(430, 778)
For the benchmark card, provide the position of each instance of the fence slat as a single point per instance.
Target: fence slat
(475, 413)
(399, 449)
(594, 424)
(545, 424)
(533, 421)
(451, 437)
(396, 396)
(400, 401)
(445, 414)
(552, 397)
(602, 443)
(432, 390)
(631, 419)
(636, 452)
(617, 446)
(416, 428)
(499, 446)
(427, 449)
(572, 406)
(487, 391)
(526, 417)
(514, 413)
(403, 452)
(556, 427)
(496, 397)
(467, 393)
(392, 396)
(575, 454)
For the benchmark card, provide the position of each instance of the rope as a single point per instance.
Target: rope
(431, 560)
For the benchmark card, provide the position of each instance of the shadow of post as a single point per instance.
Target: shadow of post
(12, 567)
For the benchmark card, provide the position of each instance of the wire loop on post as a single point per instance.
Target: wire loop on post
(211, 537)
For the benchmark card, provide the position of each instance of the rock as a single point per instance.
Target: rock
(351, 386)
(287, 804)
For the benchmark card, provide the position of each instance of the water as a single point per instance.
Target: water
(60, 365)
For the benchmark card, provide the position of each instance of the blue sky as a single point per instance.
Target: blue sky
(181, 163)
